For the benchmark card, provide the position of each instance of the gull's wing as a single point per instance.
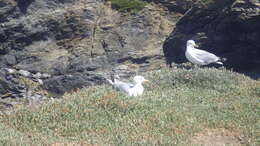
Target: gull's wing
(123, 86)
(205, 56)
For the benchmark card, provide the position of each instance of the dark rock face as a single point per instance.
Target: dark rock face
(10, 85)
(229, 29)
(63, 83)
(16, 85)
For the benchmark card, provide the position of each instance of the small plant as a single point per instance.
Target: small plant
(128, 5)
(29, 83)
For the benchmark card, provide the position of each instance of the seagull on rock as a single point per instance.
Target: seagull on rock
(200, 57)
(134, 89)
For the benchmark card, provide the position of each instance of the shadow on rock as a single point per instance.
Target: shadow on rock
(24, 4)
(229, 29)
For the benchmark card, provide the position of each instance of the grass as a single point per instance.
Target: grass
(128, 5)
(176, 105)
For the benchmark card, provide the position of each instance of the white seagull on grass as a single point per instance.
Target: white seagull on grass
(134, 89)
(200, 57)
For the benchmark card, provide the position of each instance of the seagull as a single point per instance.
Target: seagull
(200, 57)
(134, 89)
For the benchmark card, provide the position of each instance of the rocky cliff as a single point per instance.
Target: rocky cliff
(68, 44)
(228, 28)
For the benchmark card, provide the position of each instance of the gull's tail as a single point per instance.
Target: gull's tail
(110, 82)
(113, 78)
(218, 62)
(221, 60)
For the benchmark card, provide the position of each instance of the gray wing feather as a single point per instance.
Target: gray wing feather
(206, 56)
(123, 86)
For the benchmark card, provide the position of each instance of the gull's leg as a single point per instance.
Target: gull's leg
(194, 67)
(188, 66)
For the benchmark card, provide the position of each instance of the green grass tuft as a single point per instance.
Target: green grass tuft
(176, 105)
(128, 5)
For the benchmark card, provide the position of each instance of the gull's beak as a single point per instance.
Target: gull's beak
(195, 45)
(146, 80)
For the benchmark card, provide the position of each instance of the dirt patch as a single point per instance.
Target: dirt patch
(72, 144)
(217, 137)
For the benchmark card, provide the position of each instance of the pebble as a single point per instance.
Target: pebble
(24, 73)
(10, 71)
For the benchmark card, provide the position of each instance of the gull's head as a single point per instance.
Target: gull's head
(191, 43)
(139, 79)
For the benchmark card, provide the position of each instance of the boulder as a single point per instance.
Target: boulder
(58, 85)
(10, 86)
(228, 28)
